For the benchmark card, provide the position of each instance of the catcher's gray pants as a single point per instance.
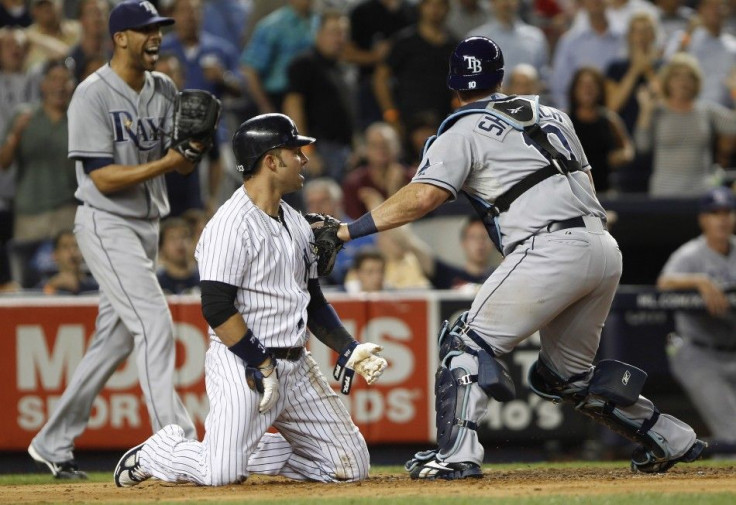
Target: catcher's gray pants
(317, 439)
(562, 284)
(121, 254)
(709, 378)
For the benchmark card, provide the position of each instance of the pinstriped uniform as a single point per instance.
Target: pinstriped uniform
(118, 236)
(271, 263)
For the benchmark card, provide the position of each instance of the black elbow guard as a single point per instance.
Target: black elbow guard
(218, 302)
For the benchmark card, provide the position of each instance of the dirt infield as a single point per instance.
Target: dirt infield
(521, 482)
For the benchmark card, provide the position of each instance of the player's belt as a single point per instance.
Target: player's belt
(575, 222)
(714, 347)
(287, 353)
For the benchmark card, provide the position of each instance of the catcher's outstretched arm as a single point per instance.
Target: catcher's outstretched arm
(411, 202)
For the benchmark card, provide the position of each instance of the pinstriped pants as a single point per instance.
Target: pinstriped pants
(317, 439)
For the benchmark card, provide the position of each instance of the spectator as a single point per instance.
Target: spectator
(51, 36)
(15, 89)
(369, 272)
(596, 46)
(702, 353)
(478, 252)
(412, 78)
(276, 40)
(624, 76)
(14, 13)
(373, 23)
(324, 196)
(618, 12)
(210, 62)
(712, 47)
(177, 273)
(95, 44)
(465, 15)
(673, 17)
(227, 19)
(600, 130)
(679, 130)
(419, 128)
(318, 99)
(523, 80)
(37, 142)
(70, 277)
(521, 42)
(381, 169)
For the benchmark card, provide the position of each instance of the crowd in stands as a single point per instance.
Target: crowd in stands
(649, 86)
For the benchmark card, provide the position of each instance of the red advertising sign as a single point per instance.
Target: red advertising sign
(45, 339)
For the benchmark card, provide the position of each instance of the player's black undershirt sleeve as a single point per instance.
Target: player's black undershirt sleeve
(218, 302)
(323, 322)
(92, 164)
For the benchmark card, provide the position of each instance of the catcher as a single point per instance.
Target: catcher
(260, 293)
(119, 118)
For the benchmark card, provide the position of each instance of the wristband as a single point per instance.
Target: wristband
(250, 349)
(362, 226)
(347, 380)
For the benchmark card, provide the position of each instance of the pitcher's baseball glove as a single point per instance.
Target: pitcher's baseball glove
(196, 115)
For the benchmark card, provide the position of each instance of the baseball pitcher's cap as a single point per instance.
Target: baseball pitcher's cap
(133, 14)
(720, 198)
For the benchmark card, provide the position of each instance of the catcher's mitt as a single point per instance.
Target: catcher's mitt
(196, 114)
(326, 245)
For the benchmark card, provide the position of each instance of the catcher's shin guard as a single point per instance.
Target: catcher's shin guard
(464, 381)
(600, 398)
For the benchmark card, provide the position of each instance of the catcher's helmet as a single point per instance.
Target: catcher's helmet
(260, 134)
(476, 63)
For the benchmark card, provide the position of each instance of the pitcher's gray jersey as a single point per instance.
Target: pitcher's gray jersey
(270, 263)
(485, 156)
(112, 121)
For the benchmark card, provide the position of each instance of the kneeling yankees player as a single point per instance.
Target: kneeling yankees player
(260, 293)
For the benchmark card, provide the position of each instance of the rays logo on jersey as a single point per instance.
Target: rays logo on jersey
(144, 132)
(424, 168)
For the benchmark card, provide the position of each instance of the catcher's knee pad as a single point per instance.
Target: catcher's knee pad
(493, 376)
(611, 384)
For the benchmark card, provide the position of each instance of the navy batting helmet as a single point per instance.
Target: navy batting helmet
(260, 134)
(476, 63)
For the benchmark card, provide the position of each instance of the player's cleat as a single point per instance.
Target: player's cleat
(62, 470)
(129, 473)
(642, 460)
(433, 469)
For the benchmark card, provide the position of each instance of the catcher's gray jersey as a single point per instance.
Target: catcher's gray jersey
(112, 121)
(557, 280)
(270, 262)
(485, 156)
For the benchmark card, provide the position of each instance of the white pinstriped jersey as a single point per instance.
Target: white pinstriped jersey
(268, 261)
(486, 157)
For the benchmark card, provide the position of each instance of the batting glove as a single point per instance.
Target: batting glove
(267, 385)
(361, 358)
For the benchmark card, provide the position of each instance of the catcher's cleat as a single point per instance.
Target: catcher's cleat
(642, 460)
(62, 470)
(128, 472)
(434, 469)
